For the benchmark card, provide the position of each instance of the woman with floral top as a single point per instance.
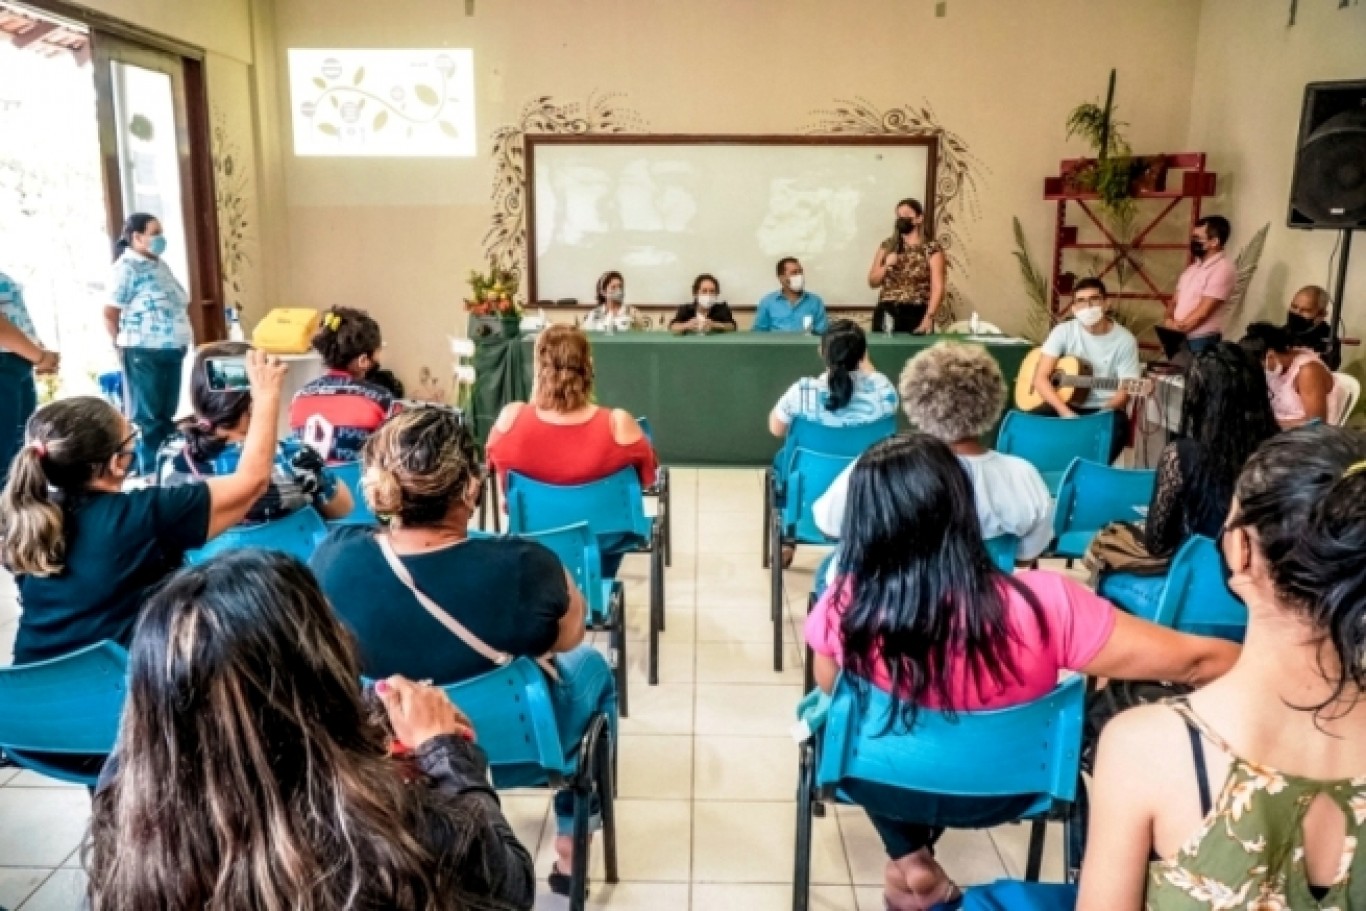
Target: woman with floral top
(1251, 792)
(908, 270)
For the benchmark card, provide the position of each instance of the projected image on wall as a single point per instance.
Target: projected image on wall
(416, 103)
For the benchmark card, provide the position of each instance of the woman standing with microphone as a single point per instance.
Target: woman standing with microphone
(908, 271)
(147, 316)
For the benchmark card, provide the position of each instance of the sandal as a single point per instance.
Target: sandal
(560, 883)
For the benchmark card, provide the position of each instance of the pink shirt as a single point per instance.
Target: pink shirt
(1079, 623)
(1286, 403)
(1214, 276)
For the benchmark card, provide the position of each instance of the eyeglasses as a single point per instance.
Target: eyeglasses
(133, 438)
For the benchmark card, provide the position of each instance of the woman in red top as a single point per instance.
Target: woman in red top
(560, 436)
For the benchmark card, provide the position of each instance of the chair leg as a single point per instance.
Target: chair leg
(496, 511)
(768, 509)
(484, 504)
(667, 508)
(801, 873)
(656, 609)
(809, 668)
(1074, 831)
(775, 584)
(1038, 830)
(606, 788)
(619, 648)
(578, 885)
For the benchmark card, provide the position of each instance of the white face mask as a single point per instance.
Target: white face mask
(614, 295)
(706, 300)
(795, 282)
(1090, 316)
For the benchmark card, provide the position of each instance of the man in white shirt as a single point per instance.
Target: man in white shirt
(1108, 348)
(956, 392)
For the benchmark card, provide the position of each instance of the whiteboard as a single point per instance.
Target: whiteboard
(662, 212)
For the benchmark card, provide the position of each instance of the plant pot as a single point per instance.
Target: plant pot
(486, 327)
(1150, 174)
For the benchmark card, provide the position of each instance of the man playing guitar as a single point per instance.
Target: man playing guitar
(1109, 349)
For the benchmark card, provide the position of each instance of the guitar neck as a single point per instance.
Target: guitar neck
(1105, 383)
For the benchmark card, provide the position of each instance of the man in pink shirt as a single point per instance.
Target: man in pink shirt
(1202, 293)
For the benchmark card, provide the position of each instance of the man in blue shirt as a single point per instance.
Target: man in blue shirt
(789, 308)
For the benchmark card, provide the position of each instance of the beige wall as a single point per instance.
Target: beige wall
(220, 26)
(1250, 75)
(398, 236)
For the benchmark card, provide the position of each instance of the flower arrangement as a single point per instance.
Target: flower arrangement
(493, 293)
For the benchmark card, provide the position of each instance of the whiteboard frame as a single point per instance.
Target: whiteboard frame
(531, 140)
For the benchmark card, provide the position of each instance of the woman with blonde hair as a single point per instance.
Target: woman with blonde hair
(422, 473)
(250, 772)
(562, 436)
(86, 553)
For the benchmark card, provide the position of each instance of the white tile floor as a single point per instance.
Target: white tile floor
(706, 813)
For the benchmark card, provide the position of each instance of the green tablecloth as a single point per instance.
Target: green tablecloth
(708, 398)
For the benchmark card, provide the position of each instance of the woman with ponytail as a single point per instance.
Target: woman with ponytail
(849, 393)
(212, 443)
(1251, 792)
(86, 553)
(345, 396)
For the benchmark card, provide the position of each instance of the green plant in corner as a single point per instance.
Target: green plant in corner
(1113, 174)
(1246, 263)
(1039, 318)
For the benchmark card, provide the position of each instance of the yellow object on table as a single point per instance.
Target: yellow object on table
(286, 330)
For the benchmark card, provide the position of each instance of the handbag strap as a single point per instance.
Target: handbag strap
(461, 632)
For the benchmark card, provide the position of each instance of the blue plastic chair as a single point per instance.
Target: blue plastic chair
(64, 706)
(1003, 549)
(1196, 598)
(660, 490)
(809, 476)
(849, 442)
(1091, 496)
(1031, 751)
(514, 719)
(349, 473)
(297, 534)
(613, 508)
(1051, 444)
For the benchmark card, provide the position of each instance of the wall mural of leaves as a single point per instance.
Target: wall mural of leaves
(232, 184)
(955, 191)
(505, 243)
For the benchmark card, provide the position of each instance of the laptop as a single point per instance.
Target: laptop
(1176, 347)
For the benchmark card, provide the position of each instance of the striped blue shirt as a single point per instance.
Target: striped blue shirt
(13, 308)
(874, 398)
(154, 305)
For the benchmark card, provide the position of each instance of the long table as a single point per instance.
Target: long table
(708, 397)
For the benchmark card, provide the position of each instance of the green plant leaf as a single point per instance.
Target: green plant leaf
(327, 129)
(359, 77)
(449, 129)
(380, 120)
(426, 94)
(318, 81)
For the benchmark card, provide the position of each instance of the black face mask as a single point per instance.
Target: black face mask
(905, 225)
(1197, 249)
(1296, 324)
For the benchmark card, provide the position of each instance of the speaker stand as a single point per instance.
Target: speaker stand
(1339, 289)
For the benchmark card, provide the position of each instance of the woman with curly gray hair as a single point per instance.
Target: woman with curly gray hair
(956, 392)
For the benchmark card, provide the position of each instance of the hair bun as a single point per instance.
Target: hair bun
(382, 491)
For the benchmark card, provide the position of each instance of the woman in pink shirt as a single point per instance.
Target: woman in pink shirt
(1302, 388)
(923, 613)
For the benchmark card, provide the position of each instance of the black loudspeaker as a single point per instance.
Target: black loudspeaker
(1328, 187)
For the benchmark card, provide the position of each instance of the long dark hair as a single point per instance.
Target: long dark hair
(922, 589)
(344, 335)
(842, 348)
(134, 224)
(67, 444)
(1227, 412)
(1304, 492)
(214, 409)
(250, 773)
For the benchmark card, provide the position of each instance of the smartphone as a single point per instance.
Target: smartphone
(225, 373)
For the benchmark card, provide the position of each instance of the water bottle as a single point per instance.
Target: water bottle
(975, 324)
(235, 333)
(888, 324)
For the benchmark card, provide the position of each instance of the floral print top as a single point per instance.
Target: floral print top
(1248, 853)
(907, 281)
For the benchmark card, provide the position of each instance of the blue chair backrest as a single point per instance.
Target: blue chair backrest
(1196, 599)
(349, 473)
(514, 720)
(810, 475)
(1050, 444)
(1003, 549)
(822, 577)
(849, 441)
(646, 429)
(297, 534)
(1025, 750)
(70, 704)
(612, 506)
(577, 549)
(1092, 495)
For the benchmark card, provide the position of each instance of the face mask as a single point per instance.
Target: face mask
(1297, 324)
(157, 244)
(795, 282)
(905, 225)
(706, 300)
(614, 296)
(1197, 249)
(1090, 316)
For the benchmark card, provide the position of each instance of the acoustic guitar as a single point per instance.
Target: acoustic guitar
(1072, 379)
